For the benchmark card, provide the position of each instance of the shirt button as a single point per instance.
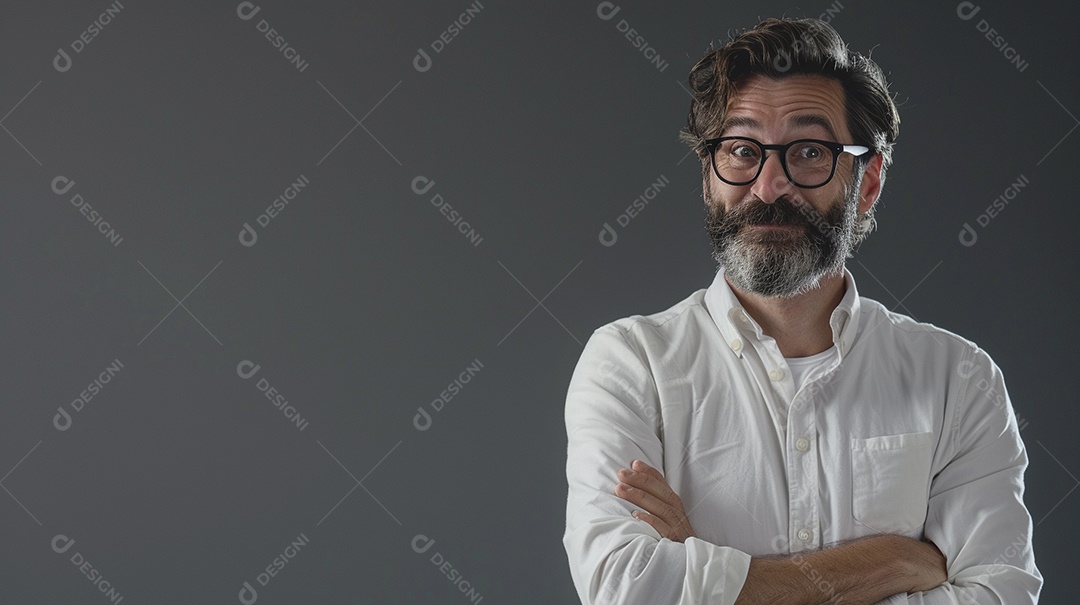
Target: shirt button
(802, 444)
(736, 345)
(776, 374)
(805, 535)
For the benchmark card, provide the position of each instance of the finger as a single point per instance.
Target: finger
(640, 466)
(677, 532)
(683, 529)
(643, 467)
(656, 523)
(650, 479)
(644, 482)
(649, 502)
(649, 483)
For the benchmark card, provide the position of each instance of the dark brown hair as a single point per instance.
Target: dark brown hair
(783, 47)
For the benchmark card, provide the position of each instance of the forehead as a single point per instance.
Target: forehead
(778, 106)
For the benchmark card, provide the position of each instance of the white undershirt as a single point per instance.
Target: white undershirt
(803, 367)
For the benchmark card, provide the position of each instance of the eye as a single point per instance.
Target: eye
(743, 150)
(810, 152)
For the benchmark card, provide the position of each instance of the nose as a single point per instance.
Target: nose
(772, 183)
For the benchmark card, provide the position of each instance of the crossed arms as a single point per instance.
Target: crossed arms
(867, 570)
(977, 547)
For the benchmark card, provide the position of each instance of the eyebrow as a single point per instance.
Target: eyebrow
(740, 122)
(814, 120)
(802, 120)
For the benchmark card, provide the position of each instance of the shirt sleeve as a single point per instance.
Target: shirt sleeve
(613, 416)
(976, 513)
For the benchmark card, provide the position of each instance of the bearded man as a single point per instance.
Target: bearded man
(776, 438)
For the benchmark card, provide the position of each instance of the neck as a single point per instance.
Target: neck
(800, 324)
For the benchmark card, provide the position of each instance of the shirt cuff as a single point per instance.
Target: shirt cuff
(719, 583)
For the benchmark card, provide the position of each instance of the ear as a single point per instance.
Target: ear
(870, 188)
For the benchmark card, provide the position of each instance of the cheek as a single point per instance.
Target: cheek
(708, 181)
(718, 192)
(821, 207)
(825, 198)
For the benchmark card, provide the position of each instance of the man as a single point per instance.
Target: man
(776, 438)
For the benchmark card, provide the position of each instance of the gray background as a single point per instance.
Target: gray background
(360, 302)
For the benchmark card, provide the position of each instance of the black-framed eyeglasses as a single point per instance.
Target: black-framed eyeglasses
(808, 163)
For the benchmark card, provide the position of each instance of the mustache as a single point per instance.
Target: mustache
(819, 229)
(783, 211)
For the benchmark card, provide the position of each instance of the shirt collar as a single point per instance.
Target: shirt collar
(736, 325)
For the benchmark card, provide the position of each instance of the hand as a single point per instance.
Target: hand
(644, 486)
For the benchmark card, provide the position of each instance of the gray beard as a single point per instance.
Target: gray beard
(787, 263)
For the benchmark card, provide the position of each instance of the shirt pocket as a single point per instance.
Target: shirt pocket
(890, 481)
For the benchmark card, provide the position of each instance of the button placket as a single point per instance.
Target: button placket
(803, 478)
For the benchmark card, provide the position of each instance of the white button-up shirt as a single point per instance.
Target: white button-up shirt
(908, 430)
